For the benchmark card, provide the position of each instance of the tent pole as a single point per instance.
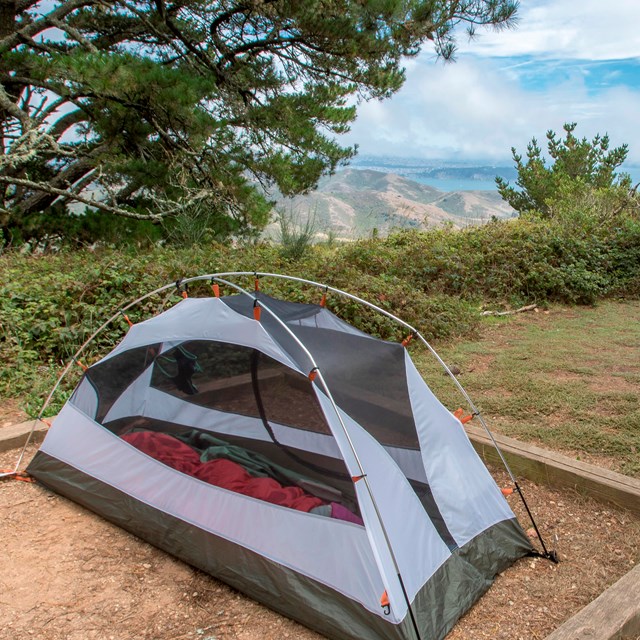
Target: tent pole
(256, 274)
(74, 359)
(550, 555)
(361, 471)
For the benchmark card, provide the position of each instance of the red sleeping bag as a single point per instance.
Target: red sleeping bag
(221, 472)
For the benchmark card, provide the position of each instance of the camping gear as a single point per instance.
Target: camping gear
(292, 456)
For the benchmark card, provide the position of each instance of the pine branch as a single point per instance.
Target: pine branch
(68, 194)
(37, 26)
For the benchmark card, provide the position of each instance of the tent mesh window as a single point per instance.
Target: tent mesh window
(366, 376)
(111, 377)
(232, 379)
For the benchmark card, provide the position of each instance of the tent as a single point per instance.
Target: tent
(292, 456)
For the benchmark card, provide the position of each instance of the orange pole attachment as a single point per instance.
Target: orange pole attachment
(407, 340)
(126, 317)
(312, 374)
(506, 491)
(184, 294)
(459, 413)
(256, 283)
(323, 301)
(82, 366)
(257, 312)
(21, 476)
(216, 289)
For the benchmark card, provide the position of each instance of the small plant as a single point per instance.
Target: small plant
(191, 227)
(295, 235)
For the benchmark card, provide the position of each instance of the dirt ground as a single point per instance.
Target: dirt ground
(68, 574)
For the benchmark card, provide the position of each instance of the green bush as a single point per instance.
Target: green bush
(512, 262)
(580, 169)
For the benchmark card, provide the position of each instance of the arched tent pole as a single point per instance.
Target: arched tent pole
(258, 274)
(475, 411)
(73, 360)
(361, 472)
(391, 316)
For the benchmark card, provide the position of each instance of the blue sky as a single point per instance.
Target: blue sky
(565, 61)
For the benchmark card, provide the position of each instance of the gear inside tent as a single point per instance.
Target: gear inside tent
(296, 458)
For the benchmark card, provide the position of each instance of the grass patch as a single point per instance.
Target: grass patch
(566, 379)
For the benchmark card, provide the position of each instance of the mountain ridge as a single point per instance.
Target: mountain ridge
(357, 202)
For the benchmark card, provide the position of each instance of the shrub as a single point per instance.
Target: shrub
(577, 165)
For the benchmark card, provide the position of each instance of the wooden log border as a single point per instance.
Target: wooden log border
(16, 435)
(556, 470)
(615, 613)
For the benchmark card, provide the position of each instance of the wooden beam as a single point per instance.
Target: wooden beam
(16, 435)
(613, 615)
(556, 470)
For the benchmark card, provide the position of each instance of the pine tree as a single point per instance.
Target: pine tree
(151, 108)
(577, 166)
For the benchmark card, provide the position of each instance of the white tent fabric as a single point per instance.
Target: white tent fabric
(394, 453)
(467, 495)
(204, 319)
(291, 538)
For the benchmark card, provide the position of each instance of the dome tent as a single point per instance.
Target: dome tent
(294, 457)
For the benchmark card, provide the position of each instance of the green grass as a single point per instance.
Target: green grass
(568, 379)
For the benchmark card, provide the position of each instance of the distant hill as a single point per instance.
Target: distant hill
(354, 202)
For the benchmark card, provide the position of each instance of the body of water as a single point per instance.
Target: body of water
(449, 177)
(455, 184)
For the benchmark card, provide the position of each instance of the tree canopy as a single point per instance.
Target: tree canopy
(578, 168)
(151, 108)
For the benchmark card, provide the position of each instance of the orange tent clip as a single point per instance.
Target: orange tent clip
(459, 413)
(126, 317)
(182, 292)
(407, 340)
(385, 604)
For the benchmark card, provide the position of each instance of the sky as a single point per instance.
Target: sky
(565, 61)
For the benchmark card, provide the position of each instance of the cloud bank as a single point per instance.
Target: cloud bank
(562, 64)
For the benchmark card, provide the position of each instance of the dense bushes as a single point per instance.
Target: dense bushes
(525, 260)
(435, 280)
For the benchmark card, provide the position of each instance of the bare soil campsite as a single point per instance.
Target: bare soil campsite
(69, 574)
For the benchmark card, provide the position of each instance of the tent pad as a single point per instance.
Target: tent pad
(294, 457)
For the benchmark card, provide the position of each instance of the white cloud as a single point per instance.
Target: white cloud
(492, 99)
(473, 110)
(588, 30)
